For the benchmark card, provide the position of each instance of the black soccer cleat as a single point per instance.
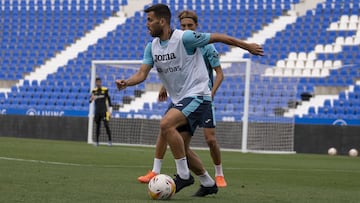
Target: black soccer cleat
(203, 191)
(181, 183)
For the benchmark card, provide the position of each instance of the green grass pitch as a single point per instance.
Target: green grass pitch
(60, 171)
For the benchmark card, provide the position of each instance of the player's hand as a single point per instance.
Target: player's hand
(121, 84)
(109, 112)
(163, 95)
(92, 98)
(255, 49)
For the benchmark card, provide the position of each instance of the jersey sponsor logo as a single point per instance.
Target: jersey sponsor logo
(197, 35)
(165, 57)
(99, 96)
(159, 70)
(215, 54)
(169, 70)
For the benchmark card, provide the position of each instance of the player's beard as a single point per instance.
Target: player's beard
(156, 32)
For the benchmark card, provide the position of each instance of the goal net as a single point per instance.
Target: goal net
(249, 108)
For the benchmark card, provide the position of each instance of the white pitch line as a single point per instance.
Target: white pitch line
(66, 164)
(139, 166)
(43, 162)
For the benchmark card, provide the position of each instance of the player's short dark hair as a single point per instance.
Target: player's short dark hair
(160, 11)
(188, 14)
(98, 79)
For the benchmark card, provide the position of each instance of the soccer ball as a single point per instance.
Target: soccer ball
(161, 187)
(332, 151)
(353, 152)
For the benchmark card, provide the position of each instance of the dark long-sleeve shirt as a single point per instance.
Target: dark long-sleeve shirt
(102, 99)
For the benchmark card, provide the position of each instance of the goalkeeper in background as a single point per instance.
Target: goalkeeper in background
(103, 109)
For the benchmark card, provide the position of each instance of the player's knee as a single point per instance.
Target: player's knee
(165, 126)
(211, 141)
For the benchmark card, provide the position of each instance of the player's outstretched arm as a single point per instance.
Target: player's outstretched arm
(253, 48)
(135, 79)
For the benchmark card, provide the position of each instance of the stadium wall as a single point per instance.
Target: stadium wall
(317, 139)
(308, 138)
(44, 127)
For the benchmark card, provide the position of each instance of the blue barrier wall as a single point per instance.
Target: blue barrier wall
(60, 113)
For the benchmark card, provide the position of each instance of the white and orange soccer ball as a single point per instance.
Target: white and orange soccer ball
(161, 187)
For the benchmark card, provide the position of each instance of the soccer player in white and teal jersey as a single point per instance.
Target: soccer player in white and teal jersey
(189, 21)
(181, 68)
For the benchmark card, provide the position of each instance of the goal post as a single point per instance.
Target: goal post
(248, 108)
(93, 75)
(245, 118)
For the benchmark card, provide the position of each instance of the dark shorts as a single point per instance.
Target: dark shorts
(198, 111)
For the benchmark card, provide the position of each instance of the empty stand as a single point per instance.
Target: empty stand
(319, 49)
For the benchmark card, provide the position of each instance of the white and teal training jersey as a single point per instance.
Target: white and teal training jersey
(180, 64)
(211, 58)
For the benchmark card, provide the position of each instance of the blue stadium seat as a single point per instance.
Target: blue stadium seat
(302, 36)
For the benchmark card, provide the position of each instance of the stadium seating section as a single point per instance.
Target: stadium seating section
(346, 106)
(321, 49)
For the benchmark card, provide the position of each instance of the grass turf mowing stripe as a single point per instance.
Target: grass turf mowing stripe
(137, 166)
(108, 174)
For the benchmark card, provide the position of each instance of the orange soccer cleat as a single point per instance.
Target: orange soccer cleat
(146, 178)
(220, 181)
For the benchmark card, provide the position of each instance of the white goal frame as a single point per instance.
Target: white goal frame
(92, 86)
(245, 118)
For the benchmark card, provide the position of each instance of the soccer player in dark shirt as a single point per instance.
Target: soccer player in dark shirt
(103, 109)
